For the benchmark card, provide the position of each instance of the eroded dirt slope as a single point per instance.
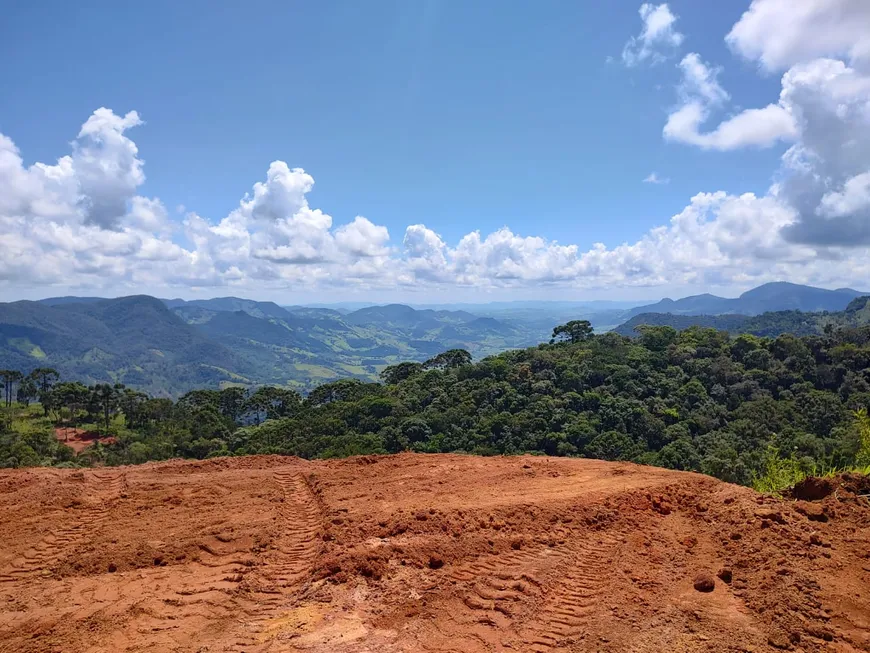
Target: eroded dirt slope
(424, 553)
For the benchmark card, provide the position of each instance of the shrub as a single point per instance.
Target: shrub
(779, 473)
(863, 423)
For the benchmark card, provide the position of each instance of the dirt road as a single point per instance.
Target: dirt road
(423, 553)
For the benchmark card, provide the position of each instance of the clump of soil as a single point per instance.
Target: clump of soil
(704, 582)
(814, 488)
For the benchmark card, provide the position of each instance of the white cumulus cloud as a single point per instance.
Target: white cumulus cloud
(780, 34)
(106, 166)
(700, 93)
(658, 38)
(854, 197)
(274, 240)
(823, 112)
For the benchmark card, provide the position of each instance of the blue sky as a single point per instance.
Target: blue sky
(459, 116)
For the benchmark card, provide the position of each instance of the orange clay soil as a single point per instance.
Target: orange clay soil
(425, 553)
(79, 439)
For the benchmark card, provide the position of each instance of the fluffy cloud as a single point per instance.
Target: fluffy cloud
(700, 93)
(79, 219)
(823, 112)
(825, 174)
(281, 195)
(425, 256)
(782, 33)
(700, 81)
(80, 224)
(718, 239)
(363, 238)
(657, 39)
(106, 167)
(854, 198)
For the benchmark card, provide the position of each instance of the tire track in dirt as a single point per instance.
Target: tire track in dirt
(494, 592)
(103, 491)
(497, 583)
(571, 602)
(272, 587)
(301, 542)
(219, 570)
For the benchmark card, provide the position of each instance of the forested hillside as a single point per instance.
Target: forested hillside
(697, 400)
(135, 340)
(167, 347)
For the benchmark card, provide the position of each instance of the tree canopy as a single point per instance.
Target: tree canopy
(697, 399)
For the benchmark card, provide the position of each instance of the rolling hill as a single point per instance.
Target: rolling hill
(169, 346)
(133, 340)
(305, 346)
(232, 304)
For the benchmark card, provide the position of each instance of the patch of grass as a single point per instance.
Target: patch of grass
(779, 473)
(317, 371)
(782, 473)
(232, 375)
(96, 355)
(352, 369)
(29, 420)
(25, 346)
(862, 422)
(861, 469)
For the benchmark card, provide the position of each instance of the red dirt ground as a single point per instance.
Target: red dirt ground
(79, 439)
(424, 553)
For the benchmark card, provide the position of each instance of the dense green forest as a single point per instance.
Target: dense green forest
(698, 399)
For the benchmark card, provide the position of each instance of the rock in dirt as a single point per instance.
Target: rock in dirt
(704, 582)
(818, 540)
(780, 641)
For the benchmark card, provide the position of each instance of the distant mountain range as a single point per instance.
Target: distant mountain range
(167, 346)
(777, 296)
(771, 324)
(135, 340)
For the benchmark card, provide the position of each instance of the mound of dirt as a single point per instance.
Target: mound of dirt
(815, 489)
(424, 553)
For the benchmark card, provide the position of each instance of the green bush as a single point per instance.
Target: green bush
(863, 423)
(778, 473)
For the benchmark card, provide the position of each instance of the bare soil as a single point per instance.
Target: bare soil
(424, 553)
(79, 439)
